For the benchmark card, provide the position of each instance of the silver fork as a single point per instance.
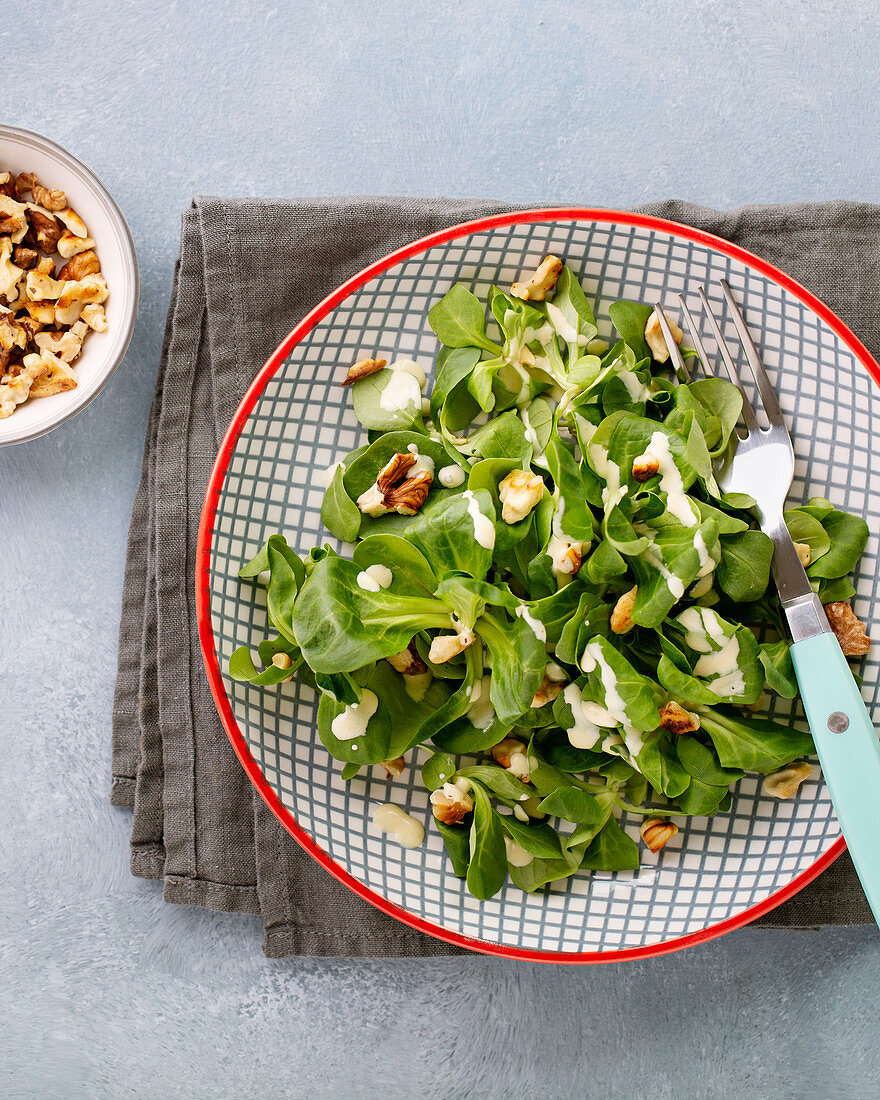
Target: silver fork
(763, 466)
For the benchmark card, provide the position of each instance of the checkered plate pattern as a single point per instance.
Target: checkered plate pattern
(269, 479)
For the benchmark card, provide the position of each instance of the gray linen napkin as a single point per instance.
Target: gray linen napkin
(248, 271)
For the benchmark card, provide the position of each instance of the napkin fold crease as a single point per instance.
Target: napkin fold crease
(248, 271)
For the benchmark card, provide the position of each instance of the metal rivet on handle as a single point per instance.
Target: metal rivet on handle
(838, 722)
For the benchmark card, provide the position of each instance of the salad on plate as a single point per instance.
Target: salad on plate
(545, 602)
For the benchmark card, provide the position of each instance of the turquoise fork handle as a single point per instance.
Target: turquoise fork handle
(848, 749)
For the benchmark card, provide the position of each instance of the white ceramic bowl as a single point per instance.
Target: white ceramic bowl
(719, 872)
(24, 151)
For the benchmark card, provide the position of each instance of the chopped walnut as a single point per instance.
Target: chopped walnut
(676, 719)
(547, 692)
(7, 185)
(77, 293)
(363, 368)
(408, 662)
(848, 628)
(655, 339)
(542, 281)
(394, 768)
(446, 646)
(645, 466)
(9, 273)
(95, 317)
(26, 258)
(803, 553)
(519, 492)
(283, 661)
(657, 832)
(52, 200)
(450, 804)
(511, 755)
(16, 388)
(47, 231)
(71, 245)
(80, 265)
(786, 782)
(13, 218)
(73, 222)
(621, 616)
(394, 491)
(66, 345)
(57, 377)
(25, 183)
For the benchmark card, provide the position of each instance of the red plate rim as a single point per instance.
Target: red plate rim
(206, 532)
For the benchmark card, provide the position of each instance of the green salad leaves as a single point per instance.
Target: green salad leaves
(550, 604)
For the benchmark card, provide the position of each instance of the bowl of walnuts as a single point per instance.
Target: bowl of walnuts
(68, 285)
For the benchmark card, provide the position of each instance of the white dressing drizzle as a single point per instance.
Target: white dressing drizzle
(353, 721)
(481, 713)
(400, 392)
(517, 856)
(677, 501)
(592, 660)
(328, 474)
(564, 327)
(583, 734)
(374, 578)
(423, 462)
(484, 528)
(416, 686)
(450, 477)
(410, 366)
(635, 387)
(535, 625)
(402, 827)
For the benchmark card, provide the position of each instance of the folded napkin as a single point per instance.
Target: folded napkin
(248, 271)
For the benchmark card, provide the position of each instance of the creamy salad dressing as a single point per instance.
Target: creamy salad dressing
(584, 734)
(517, 856)
(564, 327)
(416, 686)
(635, 387)
(423, 464)
(450, 477)
(328, 474)
(535, 625)
(592, 659)
(353, 721)
(677, 500)
(403, 827)
(481, 713)
(484, 528)
(400, 392)
(674, 584)
(374, 578)
(410, 366)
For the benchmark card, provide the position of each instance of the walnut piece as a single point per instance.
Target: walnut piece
(848, 629)
(446, 646)
(394, 768)
(645, 466)
(15, 389)
(786, 782)
(80, 265)
(408, 662)
(394, 491)
(52, 200)
(657, 832)
(57, 377)
(655, 339)
(519, 492)
(46, 229)
(676, 719)
(621, 616)
(7, 185)
(26, 258)
(803, 552)
(450, 804)
(541, 282)
(548, 691)
(511, 755)
(71, 245)
(363, 368)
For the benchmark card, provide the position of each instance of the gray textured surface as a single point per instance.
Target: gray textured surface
(106, 991)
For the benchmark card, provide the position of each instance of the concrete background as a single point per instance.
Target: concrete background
(104, 990)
